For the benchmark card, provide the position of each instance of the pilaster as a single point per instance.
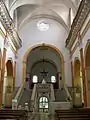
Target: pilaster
(83, 76)
(14, 74)
(2, 74)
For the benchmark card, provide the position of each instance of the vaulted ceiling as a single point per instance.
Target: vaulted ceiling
(59, 10)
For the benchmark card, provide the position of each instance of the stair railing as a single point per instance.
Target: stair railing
(19, 93)
(33, 98)
(52, 93)
(68, 93)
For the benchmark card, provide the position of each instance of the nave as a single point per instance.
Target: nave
(45, 59)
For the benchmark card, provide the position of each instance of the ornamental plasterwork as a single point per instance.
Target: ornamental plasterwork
(80, 37)
(78, 22)
(8, 24)
(43, 87)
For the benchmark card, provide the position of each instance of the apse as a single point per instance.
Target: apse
(43, 63)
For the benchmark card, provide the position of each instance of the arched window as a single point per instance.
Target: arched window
(53, 79)
(35, 79)
(43, 104)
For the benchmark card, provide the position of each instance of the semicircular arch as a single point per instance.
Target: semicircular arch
(40, 45)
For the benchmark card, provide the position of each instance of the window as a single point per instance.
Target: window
(43, 104)
(53, 79)
(42, 25)
(35, 79)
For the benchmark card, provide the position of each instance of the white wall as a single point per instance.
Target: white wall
(56, 35)
(1, 43)
(9, 54)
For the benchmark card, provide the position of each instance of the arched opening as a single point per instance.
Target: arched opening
(78, 84)
(8, 84)
(46, 70)
(87, 64)
(43, 47)
(43, 104)
(76, 73)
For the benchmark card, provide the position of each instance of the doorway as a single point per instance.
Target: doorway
(87, 64)
(78, 84)
(8, 84)
(43, 104)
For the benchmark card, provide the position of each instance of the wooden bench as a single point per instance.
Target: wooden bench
(13, 114)
(73, 114)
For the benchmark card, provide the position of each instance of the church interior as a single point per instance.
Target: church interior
(44, 59)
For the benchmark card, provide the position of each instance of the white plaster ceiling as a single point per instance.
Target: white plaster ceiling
(53, 9)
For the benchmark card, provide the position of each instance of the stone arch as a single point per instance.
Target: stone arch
(8, 84)
(87, 70)
(46, 60)
(40, 45)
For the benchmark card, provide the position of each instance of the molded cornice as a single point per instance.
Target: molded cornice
(9, 25)
(78, 22)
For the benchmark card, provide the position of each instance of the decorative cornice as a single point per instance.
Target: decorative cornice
(80, 38)
(85, 29)
(8, 24)
(78, 22)
(3, 35)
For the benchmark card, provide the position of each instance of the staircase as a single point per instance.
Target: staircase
(58, 98)
(15, 91)
(60, 95)
(25, 98)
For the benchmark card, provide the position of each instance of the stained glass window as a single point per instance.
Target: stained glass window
(43, 103)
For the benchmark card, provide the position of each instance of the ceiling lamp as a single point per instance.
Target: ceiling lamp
(42, 25)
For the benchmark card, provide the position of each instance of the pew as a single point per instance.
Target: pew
(73, 114)
(13, 114)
